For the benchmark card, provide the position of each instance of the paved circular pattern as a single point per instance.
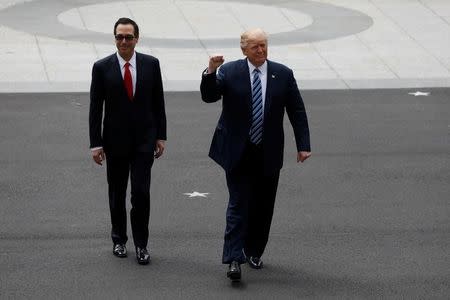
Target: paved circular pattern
(41, 18)
(166, 19)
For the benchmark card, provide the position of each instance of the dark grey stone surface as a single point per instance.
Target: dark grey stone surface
(368, 216)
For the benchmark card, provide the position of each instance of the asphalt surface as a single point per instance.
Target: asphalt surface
(368, 216)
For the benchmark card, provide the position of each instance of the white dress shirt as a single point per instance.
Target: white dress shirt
(263, 76)
(132, 68)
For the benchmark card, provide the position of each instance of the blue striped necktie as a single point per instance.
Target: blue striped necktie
(256, 130)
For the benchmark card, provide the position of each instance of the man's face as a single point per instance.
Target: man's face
(125, 40)
(256, 50)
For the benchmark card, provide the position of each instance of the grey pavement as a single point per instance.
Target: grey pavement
(367, 217)
(50, 45)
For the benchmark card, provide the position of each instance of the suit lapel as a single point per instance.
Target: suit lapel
(271, 77)
(116, 68)
(117, 74)
(246, 81)
(139, 74)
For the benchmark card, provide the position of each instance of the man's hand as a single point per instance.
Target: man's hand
(159, 148)
(98, 155)
(303, 155)
(214, 62)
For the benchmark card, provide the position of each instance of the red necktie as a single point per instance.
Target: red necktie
(128, 81)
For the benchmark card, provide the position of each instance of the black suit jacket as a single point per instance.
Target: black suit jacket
(127, 125)
(232, 82)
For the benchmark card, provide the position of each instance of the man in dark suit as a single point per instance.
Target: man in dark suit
(129, 87)
(248, 142)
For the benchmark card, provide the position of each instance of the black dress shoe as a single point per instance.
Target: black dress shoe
(120, 250)
(142, 256)
(254, 262)
(234, 271)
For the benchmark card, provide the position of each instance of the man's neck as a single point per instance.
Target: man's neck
(256, 65)
(126, 58)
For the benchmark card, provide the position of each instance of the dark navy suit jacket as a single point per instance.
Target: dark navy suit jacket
(127, 125)
(232, 82)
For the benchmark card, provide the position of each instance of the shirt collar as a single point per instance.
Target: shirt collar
(262, 68)
(122, 61)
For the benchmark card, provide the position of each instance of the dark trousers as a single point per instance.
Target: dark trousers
(118, 169)
(250, 207)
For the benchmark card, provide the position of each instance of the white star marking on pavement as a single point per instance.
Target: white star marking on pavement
(419, 93)
(196, 194)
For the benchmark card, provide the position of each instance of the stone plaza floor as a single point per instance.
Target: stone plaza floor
(50, 45)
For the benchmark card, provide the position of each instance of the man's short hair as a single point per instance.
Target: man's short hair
(125, 21)
(245, 36)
